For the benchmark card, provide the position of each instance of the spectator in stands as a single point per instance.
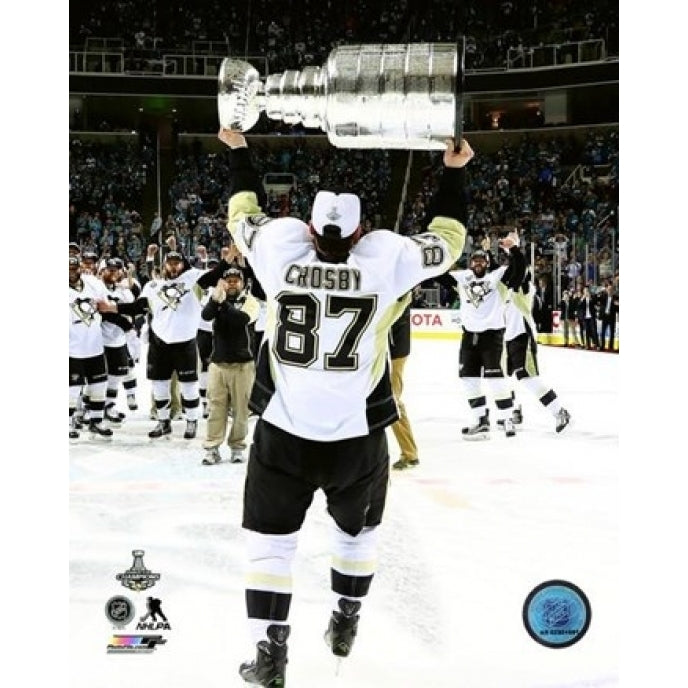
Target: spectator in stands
(568, 318)
(587, 319)
(418, 299)
(608, 312)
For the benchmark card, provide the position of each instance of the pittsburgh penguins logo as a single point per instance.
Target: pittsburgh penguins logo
(172, 294)
(476, 292)
(85, 311)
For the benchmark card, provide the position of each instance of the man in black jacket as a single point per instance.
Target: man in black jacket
(608, 310)
(587, 318)
(232, 369)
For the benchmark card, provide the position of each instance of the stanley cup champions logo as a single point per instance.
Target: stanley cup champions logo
(138, 577)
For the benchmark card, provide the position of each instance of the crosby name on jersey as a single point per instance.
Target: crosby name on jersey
(321, 277)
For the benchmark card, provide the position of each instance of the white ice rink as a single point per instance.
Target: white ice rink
(467, 535)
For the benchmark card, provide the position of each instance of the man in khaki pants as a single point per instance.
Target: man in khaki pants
(399, 349)
(232, 369)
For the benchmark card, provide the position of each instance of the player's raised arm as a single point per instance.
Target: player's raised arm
(246, 194)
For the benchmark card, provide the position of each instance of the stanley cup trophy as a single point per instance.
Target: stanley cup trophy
(366, 96)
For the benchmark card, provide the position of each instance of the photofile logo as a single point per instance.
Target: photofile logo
(134, 644)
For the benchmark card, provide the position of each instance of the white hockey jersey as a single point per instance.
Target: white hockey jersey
(85, 333)
(175, 305)
(327, 324)
(482, 299)
(205, 325)
(519, 312)
(113, 334)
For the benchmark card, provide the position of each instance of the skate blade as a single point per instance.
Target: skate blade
(475, 438)
(338, 666)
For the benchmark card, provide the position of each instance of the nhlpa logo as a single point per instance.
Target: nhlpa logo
(477, 291)
(154, 608)
(172, 294)
(138, 577)
(85, 310)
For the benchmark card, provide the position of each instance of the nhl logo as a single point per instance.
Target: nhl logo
(138, 577)
(119, 610)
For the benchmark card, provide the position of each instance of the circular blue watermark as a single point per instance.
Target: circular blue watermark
(557, 614)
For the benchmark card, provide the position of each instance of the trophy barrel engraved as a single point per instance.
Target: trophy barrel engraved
(406, 96)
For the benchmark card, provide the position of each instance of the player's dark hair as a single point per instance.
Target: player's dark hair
(332, 248)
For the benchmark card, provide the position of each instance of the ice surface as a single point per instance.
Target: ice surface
(467, 535)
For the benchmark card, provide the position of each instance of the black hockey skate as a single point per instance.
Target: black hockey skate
(97, 427)
(481, 430)
(270, 665)
(190, 431)
(73, 428)
(563, 419)
(112, 414)
(341, 632)
(516, 418)
(164, 427)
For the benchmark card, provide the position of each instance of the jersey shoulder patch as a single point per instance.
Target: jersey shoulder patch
(257, 220)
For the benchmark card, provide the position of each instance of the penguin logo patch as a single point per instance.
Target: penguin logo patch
(172, 294)
(477, 291)
(85, 311)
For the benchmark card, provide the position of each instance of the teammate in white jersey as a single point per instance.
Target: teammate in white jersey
(323, 387)
(483, 297)
(204, 340)
(86, 354)
(175, 306)
(115, 334)
(521, 354)
(130, 383)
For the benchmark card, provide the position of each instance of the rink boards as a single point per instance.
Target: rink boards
(445, 323)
